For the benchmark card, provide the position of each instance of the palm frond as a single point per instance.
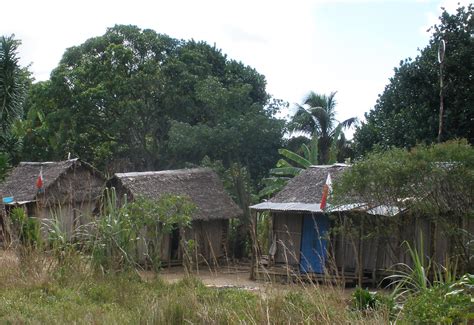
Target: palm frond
(331, 101)
(349, 122)
(323, 120)
(314, 150)
(302, 121)
(315, 100)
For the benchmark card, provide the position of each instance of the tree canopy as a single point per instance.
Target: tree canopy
(407, 112)
(438, 179)
(134, 99)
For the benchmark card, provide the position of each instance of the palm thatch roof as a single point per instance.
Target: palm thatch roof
(308, 186)
(20, 182)
(303, 192)
(201, 185)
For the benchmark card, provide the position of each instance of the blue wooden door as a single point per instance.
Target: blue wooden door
(314, 243)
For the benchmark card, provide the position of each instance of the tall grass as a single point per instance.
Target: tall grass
(113, 237)
(408, 279)
(82, 295)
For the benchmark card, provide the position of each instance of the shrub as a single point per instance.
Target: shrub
(27, 228)
(116, 236)
(363, 299)
(436, 305)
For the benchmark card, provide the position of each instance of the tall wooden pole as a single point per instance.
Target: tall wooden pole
(441, 50)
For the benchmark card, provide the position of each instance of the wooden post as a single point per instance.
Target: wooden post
(441, 51)
(374, 269)
(343, 248)
(253, 237)
(359, 253)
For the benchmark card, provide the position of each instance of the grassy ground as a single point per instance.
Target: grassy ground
(35, 290)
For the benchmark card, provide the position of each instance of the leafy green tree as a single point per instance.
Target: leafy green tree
(434, 181)
(134, 99)
(407, 112)
(317, 117)
(238, 184)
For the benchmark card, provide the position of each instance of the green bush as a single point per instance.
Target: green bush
(27, 228)
(436, 305)
(114, 238)
(364, 299)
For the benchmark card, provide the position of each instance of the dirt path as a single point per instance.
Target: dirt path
(222, 277)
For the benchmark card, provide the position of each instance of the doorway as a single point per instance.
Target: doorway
(314, 243)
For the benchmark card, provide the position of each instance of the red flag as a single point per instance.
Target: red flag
(326, 191)
(39, 181)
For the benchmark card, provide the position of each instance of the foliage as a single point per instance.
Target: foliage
(27, 228)
(434, 179)
(363, 299)
(79, 295)
(14, 82)
(317, 118)
(116, 235)
(290, 165)
(238, 184)
(60, 244)
(4, 166)
(134, 99)
(464, 286)
(443, 300)
(407, 112)
(433, 182)
(436, 306)
(411, 280)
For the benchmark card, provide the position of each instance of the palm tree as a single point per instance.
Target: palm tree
(12, 82)
(13, 87)
(317, 118)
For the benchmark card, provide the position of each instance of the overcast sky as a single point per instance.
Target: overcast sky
(349, 46)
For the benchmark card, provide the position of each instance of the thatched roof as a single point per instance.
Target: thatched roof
(201, 185)
(304, 192)
(21, 181)
(308, 186)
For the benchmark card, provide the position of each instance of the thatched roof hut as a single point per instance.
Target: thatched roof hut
(20, 183)
(70, 191)
(357, 239)
(210, 221)
(201, 185)
(303, 193)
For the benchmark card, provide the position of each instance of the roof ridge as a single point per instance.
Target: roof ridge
(40, 163)
(330, 166)
(163, 172)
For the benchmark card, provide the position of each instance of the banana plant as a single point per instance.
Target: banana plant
(291, 165)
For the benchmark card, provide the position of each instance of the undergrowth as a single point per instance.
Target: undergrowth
(35, 289)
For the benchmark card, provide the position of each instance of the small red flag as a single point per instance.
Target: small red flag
(39, 181)
(326, 191)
